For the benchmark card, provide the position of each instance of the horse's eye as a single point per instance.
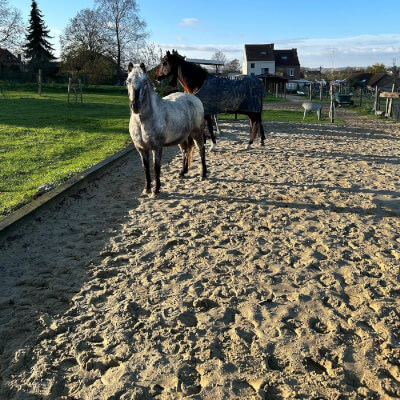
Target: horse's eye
(164, 63)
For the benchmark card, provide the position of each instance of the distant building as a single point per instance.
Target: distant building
(9, 61)
(371, 80)
(263, 59)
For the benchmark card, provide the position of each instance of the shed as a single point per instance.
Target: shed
(215, 63)
(270, 81)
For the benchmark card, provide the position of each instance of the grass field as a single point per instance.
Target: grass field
(43, 139)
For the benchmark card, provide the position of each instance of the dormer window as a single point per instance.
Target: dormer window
(263, 53)
(284, 57)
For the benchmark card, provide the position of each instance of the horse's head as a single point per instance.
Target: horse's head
(137, 85)
(169, 65)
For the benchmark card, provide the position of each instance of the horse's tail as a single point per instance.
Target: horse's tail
(190, 151)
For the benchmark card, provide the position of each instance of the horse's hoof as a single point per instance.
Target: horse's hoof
(154, 195)
(145, 192)
(247, 146)
(213, 147)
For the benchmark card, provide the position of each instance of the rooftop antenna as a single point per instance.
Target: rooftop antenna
(333, 56)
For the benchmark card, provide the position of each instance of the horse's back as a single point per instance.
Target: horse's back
(220, 94)
(185, 104)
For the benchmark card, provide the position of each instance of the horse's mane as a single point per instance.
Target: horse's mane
(194, 74)
(182, 59)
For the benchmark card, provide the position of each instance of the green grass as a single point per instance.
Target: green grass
(43, 139)
(282, 116)
(271, 98)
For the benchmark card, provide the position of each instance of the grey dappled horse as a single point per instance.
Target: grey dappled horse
(156, 122)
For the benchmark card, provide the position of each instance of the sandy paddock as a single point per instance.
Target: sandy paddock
(277, 278)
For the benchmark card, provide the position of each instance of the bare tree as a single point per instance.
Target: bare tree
(11, 26)
(126, 28)
(233, 66)
(150, 55)
(85, 32)
(219, 56)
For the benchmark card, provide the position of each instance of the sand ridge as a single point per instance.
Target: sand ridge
(276, 278)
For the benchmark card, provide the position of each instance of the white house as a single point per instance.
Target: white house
(258, 59)
(263, 59)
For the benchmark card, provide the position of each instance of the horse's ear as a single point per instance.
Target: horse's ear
(130, 67)
(143, 67)
(168, 53)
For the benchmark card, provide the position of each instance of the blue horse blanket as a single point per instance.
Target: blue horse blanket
(223, 95)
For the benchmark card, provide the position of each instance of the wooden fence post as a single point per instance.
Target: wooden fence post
(80, 89)
(332, 105)
(376, 103)
(389, 113)
(69, 87)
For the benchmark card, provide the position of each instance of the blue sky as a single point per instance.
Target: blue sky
(327, 34)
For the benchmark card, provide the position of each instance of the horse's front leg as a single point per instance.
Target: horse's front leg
(157, 155)
(144, 154)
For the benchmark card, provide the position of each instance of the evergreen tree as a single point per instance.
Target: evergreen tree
(38, 50)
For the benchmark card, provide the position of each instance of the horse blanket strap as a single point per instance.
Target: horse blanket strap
(223, 95)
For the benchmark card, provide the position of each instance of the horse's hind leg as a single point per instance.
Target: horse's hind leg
(157, 155)
(202, 151)
(144, 154)
(256, 128)
(185, 158)
(262, 133)
(253, 130)
(211, 131)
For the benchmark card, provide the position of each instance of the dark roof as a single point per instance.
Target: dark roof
(259, 52)
(266, 52)
(286, 58)
(8, 58)
(370, 79)
(204, 62)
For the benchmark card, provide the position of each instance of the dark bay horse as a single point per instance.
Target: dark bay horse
(218, 95)
(155, 123)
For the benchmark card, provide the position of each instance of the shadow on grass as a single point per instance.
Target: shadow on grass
(42, 113)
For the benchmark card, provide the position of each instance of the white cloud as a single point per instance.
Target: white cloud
(189, 22)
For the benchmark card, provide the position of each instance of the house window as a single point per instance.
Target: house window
(284, 57)
(252, 74)
(264, 71)
(290, 71)
(252, 65)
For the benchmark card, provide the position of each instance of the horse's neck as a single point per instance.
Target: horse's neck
(190, 77)
(152, 102)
